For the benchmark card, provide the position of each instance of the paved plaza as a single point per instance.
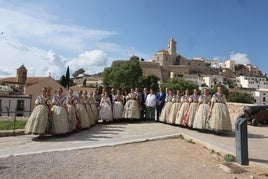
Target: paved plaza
(121, 133)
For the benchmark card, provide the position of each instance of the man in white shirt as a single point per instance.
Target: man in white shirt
(150, 103)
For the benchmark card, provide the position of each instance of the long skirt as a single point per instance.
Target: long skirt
(181, 113)
(173, 112)
(131, 110)
(72, 117)
(106, 113)
(165, 112)
(90, 114)
(150, 113)
(189, 118)
(117, 110)
(95, 111)
(220, 118)
(60, 122)
(201, 117)
(37, 121)
(84, 118)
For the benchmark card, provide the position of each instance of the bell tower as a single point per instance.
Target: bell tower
(172, 47)
(21, 75)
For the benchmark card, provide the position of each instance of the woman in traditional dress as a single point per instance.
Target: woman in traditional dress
(193, 105)
(38, 120)
(88, 108)
(202, 114)
(131, 108)
(220, 117)
(166, 109)
(71, 111)
(80, 107)
(183, 109)
(176, 100)
(150, 103)
(118, 105)
(60, 122)
(106, 113)
(94, 106)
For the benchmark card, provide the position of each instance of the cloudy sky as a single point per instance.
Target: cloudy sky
(47, 36)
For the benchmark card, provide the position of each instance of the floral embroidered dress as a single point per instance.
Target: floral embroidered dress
(81, 109)
(106, 109)
(73, 115)
(60, 121)
(183, 110)
(38, 120)
(131, 108)
(202, 114)
(176, 100)
(166, 109)
(189, 117)
(220, 117)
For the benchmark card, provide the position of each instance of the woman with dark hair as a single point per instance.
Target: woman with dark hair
(38, 120)
(131, 108)
(118, 105)
(202, 114)
(60, 123)
(166, 109)
(176, 100)
(220, 117)
(193, 104)
(106, 108)
(183, 109)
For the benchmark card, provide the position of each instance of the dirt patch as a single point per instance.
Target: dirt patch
(170, 158)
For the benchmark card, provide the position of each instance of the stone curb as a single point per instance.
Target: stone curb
(6, 133)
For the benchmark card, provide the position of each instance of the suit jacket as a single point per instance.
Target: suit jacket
(160, 99)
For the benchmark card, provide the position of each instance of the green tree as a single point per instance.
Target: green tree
(67, 76)
(240, 97)
(124, 74)
(149, 82)
(78, 72)
(84, 82)
(181, 84)
(63, 80)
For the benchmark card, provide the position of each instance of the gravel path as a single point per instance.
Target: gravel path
(170, 158)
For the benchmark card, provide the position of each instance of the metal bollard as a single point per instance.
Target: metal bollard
(241, 140)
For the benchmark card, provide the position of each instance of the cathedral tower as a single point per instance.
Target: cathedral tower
(21, 75)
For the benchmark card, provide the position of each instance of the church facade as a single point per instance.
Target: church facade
(166, 64)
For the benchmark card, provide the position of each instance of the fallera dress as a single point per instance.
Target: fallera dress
(89, 110)
(202, 114)
(131, 108)
(83, 115)
(174, 109)
(38, 120)
(220, 117)
(183, 110)
(106, 113)
(166, 109)
(189, 117)
(72, 115)
(118, 107)
(60, 121)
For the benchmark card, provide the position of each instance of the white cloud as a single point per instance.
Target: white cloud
(240, 58)
(91, 61)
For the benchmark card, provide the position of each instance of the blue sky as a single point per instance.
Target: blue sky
(47, 36)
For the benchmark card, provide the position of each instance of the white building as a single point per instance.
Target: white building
(261, 96)
(252, 82)
(212, 80)
(11, 103)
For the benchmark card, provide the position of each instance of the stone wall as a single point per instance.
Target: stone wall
(236, 109)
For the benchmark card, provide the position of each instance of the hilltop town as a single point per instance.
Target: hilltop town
(17, 93)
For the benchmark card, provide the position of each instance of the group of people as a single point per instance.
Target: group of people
(201, 112)
(67, 113)
(62, 114)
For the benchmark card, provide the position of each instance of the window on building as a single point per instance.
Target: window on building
(20, 105)
(263, 93)
(263, 99)
(189, 63)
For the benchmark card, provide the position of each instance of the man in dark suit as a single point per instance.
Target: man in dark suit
(143, 106)
(160, 101)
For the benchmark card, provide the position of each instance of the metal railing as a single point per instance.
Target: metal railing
(14, 117)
